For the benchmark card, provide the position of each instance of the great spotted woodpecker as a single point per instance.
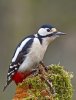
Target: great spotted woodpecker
(29, 53)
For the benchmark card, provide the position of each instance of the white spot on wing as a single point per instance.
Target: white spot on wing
(11, 66)
(15, 65)
(8, 73)
(12, 73)
(15, 68)
(20, 48)
(9, 78)
(19, 64)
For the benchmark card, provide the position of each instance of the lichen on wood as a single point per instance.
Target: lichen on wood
(34, 88)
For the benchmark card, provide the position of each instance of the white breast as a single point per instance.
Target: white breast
(35, 55)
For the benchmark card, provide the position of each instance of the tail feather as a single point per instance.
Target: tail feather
(6, 85)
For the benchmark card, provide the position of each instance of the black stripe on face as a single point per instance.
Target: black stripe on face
(48, 35)
(40, 39)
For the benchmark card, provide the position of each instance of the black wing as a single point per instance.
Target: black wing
(14, 66)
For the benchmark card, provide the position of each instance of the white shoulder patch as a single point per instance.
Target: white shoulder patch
(20, 48)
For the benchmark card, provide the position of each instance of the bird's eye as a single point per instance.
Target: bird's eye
(48, 30)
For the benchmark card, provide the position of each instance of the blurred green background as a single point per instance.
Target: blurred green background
(19, 18)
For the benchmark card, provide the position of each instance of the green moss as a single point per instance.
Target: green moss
(61, 81)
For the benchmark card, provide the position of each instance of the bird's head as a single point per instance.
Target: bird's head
(49, 31)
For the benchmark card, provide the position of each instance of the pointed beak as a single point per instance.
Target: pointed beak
(60, 33)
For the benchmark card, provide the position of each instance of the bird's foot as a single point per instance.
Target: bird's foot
(34, 72)
(46, 69)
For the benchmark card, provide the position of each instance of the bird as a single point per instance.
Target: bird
(30, 53)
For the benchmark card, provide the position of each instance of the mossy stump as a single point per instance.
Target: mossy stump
(34, 88)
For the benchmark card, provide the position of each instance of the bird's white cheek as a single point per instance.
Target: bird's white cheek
(42, 31)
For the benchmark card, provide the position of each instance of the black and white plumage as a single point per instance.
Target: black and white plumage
(30, 52)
